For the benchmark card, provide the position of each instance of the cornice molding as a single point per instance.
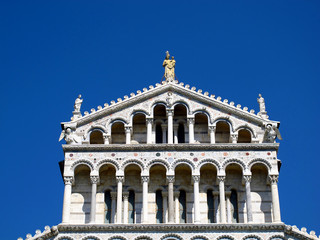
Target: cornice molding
(171, 147)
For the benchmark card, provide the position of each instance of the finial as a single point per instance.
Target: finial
(169, 67)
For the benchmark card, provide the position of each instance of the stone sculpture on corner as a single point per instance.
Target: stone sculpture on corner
(262, 105)
(77, 106)
(69, 136)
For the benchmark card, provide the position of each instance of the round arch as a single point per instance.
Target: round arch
(117, 120)
(259, 161)
(252, 237)
(234, 161)
(183, 161)
(213, 162)
(117, 238)
(81, 162)
(199, 237)
(170, 236)
(154, 104)
(137, 111)
(94, 128)
(246, 127)
(65, 238)
(276, 237)
(182, 102)
(90, 237)
(160, 162)
(225, 119)
(134, 162)
(225, 237)
(205, 112)
(114, 163)
(143, 237)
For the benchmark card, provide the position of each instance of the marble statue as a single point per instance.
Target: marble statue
(271, 133)
(77, 103)
(69, 136)
(262, 104)
(169, 66)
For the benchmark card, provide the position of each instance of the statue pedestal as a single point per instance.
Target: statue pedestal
(76, 115)
(263, 115)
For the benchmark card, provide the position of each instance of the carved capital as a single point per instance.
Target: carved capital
(149, 120)
(164, 194)
(170, 179)
(190, 121)
(145, 179)
(273, 179)
(128, 129)
(196, 178)
(120, 179)
(221, 178)
(113, 195)
(68, 180)
(212, 128)
(170, 112)
(94, 179)
(247, 178)
(125, 196)
(234, 137)
(176, 194)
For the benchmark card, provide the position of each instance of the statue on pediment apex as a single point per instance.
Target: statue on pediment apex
(169, 66)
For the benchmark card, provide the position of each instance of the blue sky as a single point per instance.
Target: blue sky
(50, 51)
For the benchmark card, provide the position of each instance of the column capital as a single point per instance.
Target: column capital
(170, 179)
(164, 194)
(234, 137)
(164, 127)
(125, 196)
(273, 179)
(149, 120)
(247, 178)
(94, 179)
(145, 178)
(221, 178)
(212, 128)
(176, 194)
(169, 112)
(190, 120)
(113, 195)
(175, 126)
(68, 180)
(120, 179)
(196, 178)
(128, 129)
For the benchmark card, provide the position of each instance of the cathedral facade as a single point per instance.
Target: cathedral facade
(171, 162)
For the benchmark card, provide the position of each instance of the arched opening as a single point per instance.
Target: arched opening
(96, 137)
(107, 174)
(234, 206)
(159, 207)
(244, 136)
(107, 207)
(179, 119)
(159, 137)
(181, 133)
(183, 180)
(80, 199)
(201, 128)
(208, 175)
(234, 180)
(222, 134)
(139, 128)
(131, 207)
(132, 183)
(210, 205)
(183, 206)
(160, 116)
(117, 133)
(158, 203)
(260, 194)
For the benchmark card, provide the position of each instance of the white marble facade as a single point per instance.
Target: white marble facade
(171, 162)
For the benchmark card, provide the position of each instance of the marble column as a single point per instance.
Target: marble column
(247, 179)
(175, 133)
(216, 206)
(164, 133)
(212, 131)
(177, 209)
(128, 134)
(275, 198)
(234, 137)
(149, 130)
(67, 199)
(113, 206)
(165, 206)
(170, 199)
(145, 181)
(94, 182)
(221, 180)
(120, 180)
(196, 201)
(191, 130)
(125, 207)
(170, 125)
(229, 216)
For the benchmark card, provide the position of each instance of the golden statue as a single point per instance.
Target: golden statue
(169, 65)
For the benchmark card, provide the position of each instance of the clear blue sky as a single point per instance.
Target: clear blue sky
(50, 51)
